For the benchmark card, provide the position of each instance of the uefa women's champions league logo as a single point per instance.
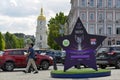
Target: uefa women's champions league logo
(79, 40)
(79, 35)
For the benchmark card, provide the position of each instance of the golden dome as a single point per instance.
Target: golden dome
(41, 17)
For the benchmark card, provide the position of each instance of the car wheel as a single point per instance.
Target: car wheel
(78, 66)
(45, 65)
(9, 66)
(38, 68)
(102, 66)
(118, 64)
(3, 69)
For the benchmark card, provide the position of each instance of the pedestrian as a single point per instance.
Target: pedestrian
(31, 57)
(54, 61)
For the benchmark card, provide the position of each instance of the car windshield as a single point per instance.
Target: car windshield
(40, 51)
(102, 50)
(1, 52)
(63, 54)
(57, 54)
(115, 48)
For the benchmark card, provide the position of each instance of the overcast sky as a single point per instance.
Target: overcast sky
(19, 16)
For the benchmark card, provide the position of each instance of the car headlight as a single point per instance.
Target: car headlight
(50, 57)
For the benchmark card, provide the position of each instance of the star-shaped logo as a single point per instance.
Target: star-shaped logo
(80, 47)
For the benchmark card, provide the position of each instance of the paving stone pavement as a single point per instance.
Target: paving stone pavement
(17, 74)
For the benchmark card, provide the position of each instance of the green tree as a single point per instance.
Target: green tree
(21, 42)
(2, 42)
(56, 28)
(8, 40)
(13, 42)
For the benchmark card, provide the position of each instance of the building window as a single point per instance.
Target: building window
(91, 16)
(118, 42)
(100, 17)
(117, 30)
(100, 3)
(83, 16)
(100, 31)
(118, 3)
(91, 29)
(109, 30)
(117, 16)
(83, 3)
(91, 3)
(109, 42)
(109, 3)
(40, 44)
(40, 37)
(109, 16)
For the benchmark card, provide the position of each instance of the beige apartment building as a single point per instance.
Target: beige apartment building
(101, 17)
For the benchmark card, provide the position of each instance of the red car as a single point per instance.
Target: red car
(16, 58)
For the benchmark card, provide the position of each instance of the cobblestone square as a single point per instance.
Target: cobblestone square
(17, 74)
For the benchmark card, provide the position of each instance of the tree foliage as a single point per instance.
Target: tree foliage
(13, 42)
(21, 42)
(55, 26)
(2, 42)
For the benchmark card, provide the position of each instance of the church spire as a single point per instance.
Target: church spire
(41, 12)
(41, 16)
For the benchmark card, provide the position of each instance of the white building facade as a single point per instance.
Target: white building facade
(100, 17)
(41, 32)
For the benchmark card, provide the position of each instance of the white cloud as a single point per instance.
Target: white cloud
(13, 3)
(19, 8)
(18, 25)
(20, 15)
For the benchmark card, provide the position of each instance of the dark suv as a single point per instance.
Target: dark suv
(108, 56)
(53, 53)
(16, 58)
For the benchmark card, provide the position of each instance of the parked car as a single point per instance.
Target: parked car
(58, 55)
(16, 58)
(42, 52)
(108, 56)
(55, 54)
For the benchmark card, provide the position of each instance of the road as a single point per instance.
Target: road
(17, 74)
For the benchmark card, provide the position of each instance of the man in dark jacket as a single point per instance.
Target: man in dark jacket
(31, 57)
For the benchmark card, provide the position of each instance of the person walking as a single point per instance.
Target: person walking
(31, 57)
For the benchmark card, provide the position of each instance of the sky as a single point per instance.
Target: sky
(20, 16)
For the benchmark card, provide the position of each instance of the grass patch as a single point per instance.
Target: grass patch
(79, 71)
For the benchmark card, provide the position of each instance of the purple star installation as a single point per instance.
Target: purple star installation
(80, 47)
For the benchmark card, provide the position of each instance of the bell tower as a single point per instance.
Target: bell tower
(41, 32)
